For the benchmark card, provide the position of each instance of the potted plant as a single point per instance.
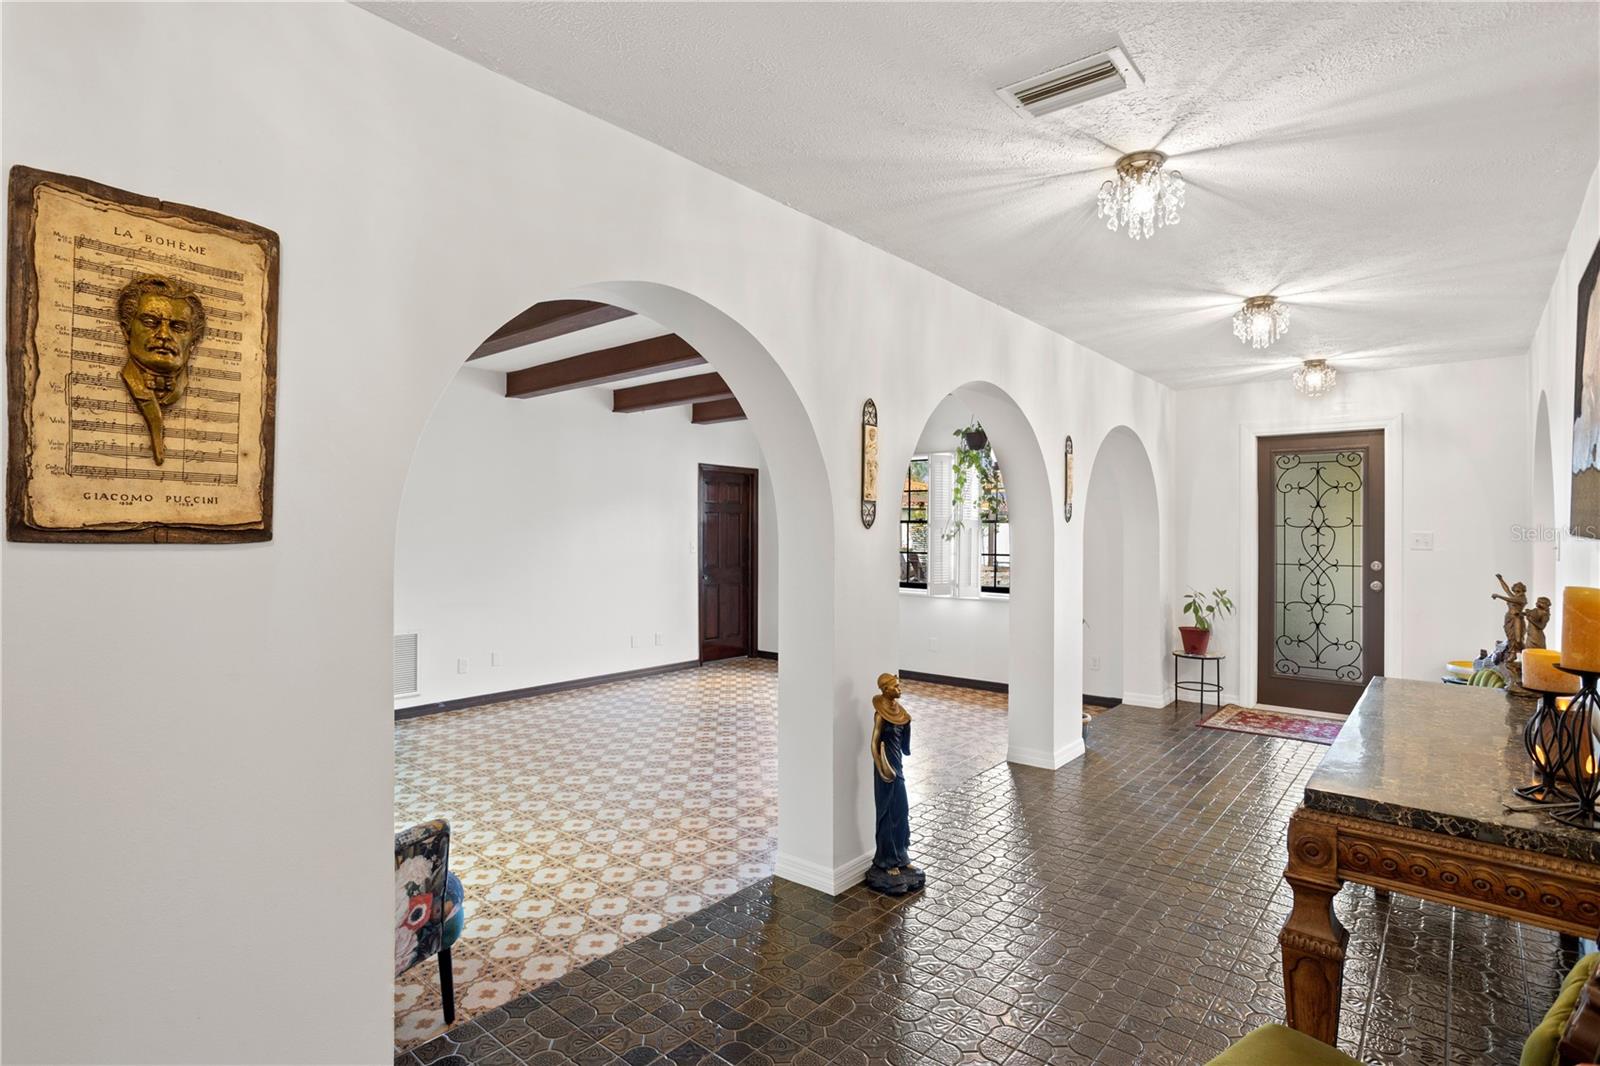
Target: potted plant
(1205, 608)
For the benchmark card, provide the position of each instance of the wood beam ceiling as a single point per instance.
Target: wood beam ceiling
(714, 411)
(598, 368)
(553, 318)
(670, 393)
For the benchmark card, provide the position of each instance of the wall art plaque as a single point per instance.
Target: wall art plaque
(142, 367)
(869, 463)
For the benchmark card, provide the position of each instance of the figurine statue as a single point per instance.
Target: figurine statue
(1516, 599)
(891, 872)
(1534, 619)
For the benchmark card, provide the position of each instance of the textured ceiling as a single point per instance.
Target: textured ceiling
(1403, 176)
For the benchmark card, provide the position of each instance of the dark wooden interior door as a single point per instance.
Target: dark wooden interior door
(1321, 580)
(727, 562)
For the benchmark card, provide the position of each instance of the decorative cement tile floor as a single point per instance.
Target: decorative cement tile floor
(584, 820)
(1121, 910)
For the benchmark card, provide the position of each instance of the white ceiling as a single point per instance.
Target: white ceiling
(1403, 176)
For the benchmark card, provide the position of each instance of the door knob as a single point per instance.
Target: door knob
(1376, 586)
(1377, 564)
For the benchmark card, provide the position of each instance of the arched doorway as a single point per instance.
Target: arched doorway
(1544, 533)
(1008, 637)
(552, 873)
(1124, 633)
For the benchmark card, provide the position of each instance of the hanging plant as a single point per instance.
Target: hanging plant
(975, 465)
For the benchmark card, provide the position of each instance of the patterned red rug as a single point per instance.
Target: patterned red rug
(1318, 727)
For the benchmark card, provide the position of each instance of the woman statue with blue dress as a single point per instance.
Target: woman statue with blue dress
(891, 871)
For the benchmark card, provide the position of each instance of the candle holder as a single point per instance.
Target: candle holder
(1578, 767)
(1545, 737)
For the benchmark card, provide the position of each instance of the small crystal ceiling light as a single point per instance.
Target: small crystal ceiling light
(1144, 195)
(1260, 321)
(1314, 377)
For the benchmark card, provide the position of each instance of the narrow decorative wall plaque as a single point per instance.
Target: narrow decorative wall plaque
(141, 365)
(1066, 505)
(869, 463)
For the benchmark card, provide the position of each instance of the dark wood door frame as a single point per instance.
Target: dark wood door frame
(754, 627)
(1312, 695)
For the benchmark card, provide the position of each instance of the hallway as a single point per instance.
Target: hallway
(1124, 909)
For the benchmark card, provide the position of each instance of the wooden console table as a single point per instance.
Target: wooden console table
(1409, 799)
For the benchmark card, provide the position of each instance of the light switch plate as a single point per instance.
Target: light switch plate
(1421, 542)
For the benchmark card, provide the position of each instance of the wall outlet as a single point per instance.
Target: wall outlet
(494, 658)
(933, 643)
(1420, 542)
(659, 641)
(1094, 662)
(461, 666)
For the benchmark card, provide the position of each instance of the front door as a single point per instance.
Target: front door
(1320, 613)
(727, 562)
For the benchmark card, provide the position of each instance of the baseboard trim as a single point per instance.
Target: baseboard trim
(1148, 699)
(1101, 701)
(833, 882)
(760, 653)
(1047, 760)
(423, 709)
(954, 682)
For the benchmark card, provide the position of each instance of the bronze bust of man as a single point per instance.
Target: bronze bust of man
(163, 320)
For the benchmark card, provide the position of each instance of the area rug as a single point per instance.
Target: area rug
(1318, 727)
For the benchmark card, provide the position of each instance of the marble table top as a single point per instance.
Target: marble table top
(1441, 758)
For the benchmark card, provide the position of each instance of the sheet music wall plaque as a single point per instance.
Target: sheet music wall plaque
(142, 367)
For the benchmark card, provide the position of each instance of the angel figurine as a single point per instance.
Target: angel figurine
(1516, 600)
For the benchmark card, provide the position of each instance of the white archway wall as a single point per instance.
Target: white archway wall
(1124, 597)
(1551, 375)
(443, 198)
(1542, 536)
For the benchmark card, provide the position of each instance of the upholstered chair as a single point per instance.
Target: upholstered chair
(428, 904)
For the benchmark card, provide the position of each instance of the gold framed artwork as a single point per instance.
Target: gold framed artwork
(869, 463)
(141, 351)
(1066, 504)
(1586, 409)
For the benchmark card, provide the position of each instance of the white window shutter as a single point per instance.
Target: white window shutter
(941, 493)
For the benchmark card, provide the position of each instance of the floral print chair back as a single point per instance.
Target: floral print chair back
(428, 911)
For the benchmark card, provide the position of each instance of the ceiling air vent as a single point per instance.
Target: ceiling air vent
(405, 664)
(1098, 75)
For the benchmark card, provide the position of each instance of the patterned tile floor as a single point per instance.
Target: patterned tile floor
(1123, 909)
(584, 820)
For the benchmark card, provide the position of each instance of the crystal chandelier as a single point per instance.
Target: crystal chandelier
(1260, 321)
(1144, 195)
(1314, 377)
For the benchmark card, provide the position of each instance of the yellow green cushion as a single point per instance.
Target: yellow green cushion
(1278, 1045)
(1543, 1042)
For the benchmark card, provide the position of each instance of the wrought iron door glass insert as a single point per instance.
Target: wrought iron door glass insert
(914, 526)
(1317, 566)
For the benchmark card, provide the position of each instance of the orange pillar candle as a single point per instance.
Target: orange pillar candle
(1580, 629)
(1540, 674)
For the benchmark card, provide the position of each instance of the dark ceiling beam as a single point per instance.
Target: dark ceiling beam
(599, 368)
(714, 411)
(553, 318)
(670, 393)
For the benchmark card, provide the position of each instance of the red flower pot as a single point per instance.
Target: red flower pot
(1195, 639)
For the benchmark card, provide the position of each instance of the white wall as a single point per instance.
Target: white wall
(1465, 460)
(1104, 592)
(556, 533)
(422, 201)
(1552, 376)
(966, 638)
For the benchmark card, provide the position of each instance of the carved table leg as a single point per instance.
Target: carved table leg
(1312, 939)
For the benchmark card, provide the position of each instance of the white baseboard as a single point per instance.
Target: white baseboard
(814, 875)
(1047, 760)
(1148, 699)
